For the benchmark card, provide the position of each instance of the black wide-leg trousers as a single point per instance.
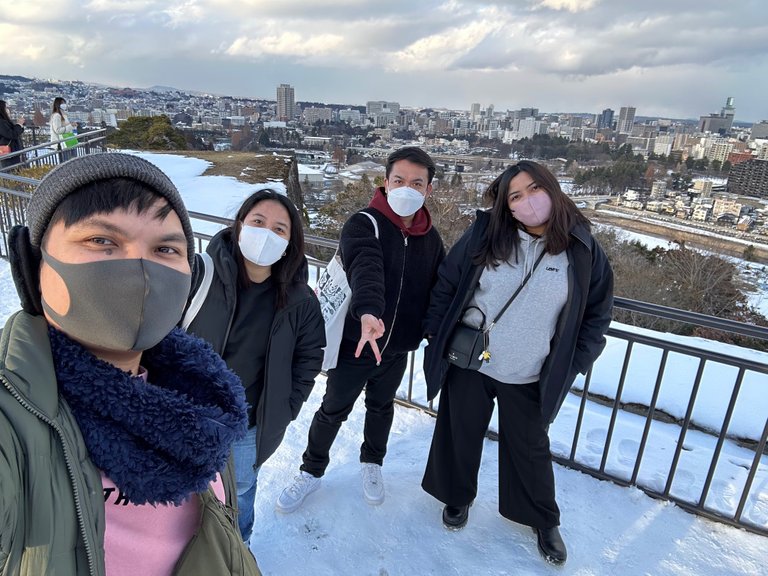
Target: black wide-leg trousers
(344, 385)
(526, 478)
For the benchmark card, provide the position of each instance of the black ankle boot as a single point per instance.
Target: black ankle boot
(454, 517)
(551, 544)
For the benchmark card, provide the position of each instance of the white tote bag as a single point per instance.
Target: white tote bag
(334, 293)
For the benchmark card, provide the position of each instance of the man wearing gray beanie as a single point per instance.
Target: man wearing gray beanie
(115, 426)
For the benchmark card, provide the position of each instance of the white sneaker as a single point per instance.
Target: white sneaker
(373, 483)
(293, 496)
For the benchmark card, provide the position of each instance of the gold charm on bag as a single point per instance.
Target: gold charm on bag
(485, 355)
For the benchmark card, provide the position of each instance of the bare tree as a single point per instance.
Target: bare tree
(703, 283)
(445, 206)
(332, 216)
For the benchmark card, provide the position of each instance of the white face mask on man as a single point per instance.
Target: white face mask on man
(405, 201)
(261, 246)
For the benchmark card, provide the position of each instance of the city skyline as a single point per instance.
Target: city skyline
(671, 60)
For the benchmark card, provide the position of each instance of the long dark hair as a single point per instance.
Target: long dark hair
(503, 235)
(57, 102)
(290, 268)
(4, 111)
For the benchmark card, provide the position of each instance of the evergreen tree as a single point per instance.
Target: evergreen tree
(148, 133)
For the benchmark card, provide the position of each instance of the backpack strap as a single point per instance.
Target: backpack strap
(202, 291)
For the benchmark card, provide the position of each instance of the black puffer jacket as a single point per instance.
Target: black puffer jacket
(580, 334)
(390, 277)
(296, 342)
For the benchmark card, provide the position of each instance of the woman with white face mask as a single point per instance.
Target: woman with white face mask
(265, 321)
(60, 125)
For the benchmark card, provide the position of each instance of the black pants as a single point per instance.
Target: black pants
(526, 479)
(345, 383)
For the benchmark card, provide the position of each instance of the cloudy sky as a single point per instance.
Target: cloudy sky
(668, 58)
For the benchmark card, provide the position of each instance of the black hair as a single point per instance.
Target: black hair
(57, 102)
(4, 111)
(291, 268)
(412, 154)
(502, 237)
(105, 196)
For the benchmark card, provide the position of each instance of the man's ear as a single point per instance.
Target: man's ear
(25, 268)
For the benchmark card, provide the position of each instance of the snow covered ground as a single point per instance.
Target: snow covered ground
(609, 530)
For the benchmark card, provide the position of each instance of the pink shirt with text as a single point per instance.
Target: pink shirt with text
(147, 539)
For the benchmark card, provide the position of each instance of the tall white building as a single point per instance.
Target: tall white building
(349, 115)
(286, 103)
(663, 144)
(373, 107)
(312, 114)
(718, 149)
(626, 120)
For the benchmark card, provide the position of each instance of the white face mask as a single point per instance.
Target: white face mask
(405, 201)
(63, 107)
(261, 246)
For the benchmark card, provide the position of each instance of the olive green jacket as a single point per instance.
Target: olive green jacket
(51, 496)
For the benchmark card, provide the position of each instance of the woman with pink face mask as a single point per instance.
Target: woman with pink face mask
(260, 315)
(533, 238)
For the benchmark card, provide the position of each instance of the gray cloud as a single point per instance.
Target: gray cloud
(673, 58)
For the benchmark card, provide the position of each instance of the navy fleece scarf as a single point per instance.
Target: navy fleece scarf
(162, 440)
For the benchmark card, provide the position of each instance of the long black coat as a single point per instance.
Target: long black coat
(295, 353)
(580, 334)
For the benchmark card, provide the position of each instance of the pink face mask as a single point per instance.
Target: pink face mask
(534, 210)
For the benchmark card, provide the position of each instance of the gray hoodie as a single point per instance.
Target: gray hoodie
(519, 342)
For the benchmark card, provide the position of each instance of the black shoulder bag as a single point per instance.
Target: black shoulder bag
(468, 346)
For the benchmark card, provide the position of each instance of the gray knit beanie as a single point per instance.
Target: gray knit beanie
(76, 173)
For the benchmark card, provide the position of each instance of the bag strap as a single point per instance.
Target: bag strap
(202, 291)
(375, 231)
(375, 224)
(523, 283)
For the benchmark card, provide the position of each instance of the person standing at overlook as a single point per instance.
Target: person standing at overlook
(265, 321)
(531, 275)
(390, 253)
(60, 125)
(10, 134)
(116, 427)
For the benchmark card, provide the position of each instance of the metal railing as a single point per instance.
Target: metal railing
(753, 494)
(15, 190)
(691, 499)
(47, 153)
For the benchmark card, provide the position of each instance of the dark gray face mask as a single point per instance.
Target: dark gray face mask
(120, 304)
